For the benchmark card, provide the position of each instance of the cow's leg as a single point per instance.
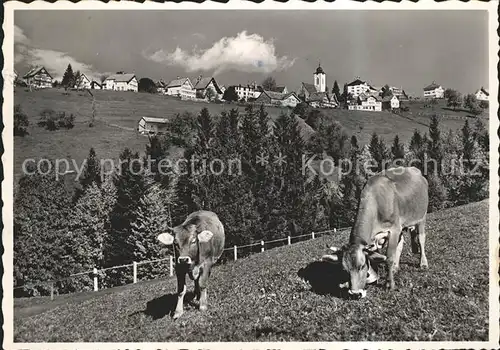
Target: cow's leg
(399, 249)
(392, 248)
(203, 284)
(421, 241)
(181, 291)
(414, 242)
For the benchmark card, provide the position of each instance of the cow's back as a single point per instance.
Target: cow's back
(402, 192)
(207, 220)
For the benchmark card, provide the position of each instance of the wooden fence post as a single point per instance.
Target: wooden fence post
(235, 253)
(312, 235)
(171, 267)
(289, 240)
(134, 266)
(96, 285)
(52, 291)
(261, 246)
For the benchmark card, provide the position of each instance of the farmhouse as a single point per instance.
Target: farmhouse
(272, 98)
(83, 82)
(160, 87)
(38, 77)
(95, 85)
(152, 125)
(482, 94)
(366, 103)
(203, 85)
(245, 92)
(181, 87)
(390, 103)
(121, 82)
(433, 91)
(358, 87)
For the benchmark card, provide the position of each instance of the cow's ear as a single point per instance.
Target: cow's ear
(330, 258)
(376, 257)
(166, 238)
(205, 236)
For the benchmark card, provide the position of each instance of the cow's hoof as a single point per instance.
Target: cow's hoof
(390, 286)
(177, 315)
(424, 266)
(203, 308)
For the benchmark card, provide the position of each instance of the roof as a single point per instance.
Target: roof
(126, 77)
(34, 71)
(356, 82)
(279, 89)
(204, 82)
(155, 120)
(484, 91)
(388, 98)
(318, 96)
(178, 82)
(319, 70)
(82, 75)
(309, 87)
(433, 86)
(273, 95)
(95, 83)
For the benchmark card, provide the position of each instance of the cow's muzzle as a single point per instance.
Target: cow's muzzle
(357, 294)
(184, 260)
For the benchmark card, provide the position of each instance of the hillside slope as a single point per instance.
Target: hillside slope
(262, 298)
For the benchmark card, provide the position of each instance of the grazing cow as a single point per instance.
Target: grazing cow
(198, 243)
(391, 202)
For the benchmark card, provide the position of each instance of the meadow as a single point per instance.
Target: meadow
(119, 112)
(286, 294)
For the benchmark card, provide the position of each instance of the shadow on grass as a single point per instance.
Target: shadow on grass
(165, 305)
(325, 277)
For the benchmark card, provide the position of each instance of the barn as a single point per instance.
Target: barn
(38, 77)
(152, 125)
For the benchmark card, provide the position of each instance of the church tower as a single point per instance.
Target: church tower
(320, 79)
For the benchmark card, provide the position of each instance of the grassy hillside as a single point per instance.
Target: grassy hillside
(119, 112)
(262, 298)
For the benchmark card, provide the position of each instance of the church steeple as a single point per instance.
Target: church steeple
(320, 79)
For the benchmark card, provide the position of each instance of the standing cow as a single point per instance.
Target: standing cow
(391, 202)
(198, 243)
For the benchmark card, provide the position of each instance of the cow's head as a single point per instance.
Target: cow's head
(186, 242)
(358, 259)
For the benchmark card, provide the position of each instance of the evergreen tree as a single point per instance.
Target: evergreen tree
(89, 225)
(92, 171)
(336, 90)
(130, 185)
(481, 135)
(397, 150)
(152, 216)
(435, 149)
(379, 152)
(437, 193)
(68, 77)
(41, 206)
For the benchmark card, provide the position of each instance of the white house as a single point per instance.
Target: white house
(38, 77)
(390, 102)
(358, 87)
(83, 82)
(433, 91)
(482, 94)
(366, 103)
(246, 92)
(181, 87)
(161, 87)
(122, 82)
(152, 125)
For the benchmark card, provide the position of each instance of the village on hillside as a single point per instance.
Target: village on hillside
(358, 95)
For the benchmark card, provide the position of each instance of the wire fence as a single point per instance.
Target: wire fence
(97, 279)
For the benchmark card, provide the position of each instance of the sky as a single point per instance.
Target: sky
(408, 49)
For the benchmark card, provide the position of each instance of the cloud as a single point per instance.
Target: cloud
(19, 36)
(247, 53)
(55, 62)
